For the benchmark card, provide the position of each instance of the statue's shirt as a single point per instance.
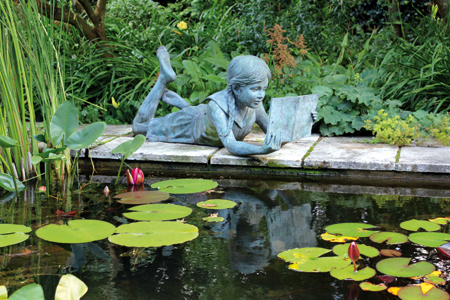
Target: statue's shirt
(193, 125)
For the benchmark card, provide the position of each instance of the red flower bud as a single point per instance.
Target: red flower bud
(353, 253)
(136, 177)
(129, 178)
(42, 189)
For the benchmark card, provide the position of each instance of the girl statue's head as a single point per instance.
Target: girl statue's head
(246, 69)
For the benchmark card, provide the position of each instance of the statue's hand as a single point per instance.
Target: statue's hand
(314, 116)
(271, 143)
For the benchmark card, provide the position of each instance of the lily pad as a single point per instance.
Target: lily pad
(213, 219)
(321, 264)
(349, 273)
(12, 239)
(434, 280)
(414, 225)
(158, 212)
(400, 267)
(367, 286)
(390, 252)
(31, 291)
(70, 287)
(416, 293)
(299, 254)
(351, 229)
(440, 221)
(430, 239)
(217, 204)
(143, 197)
(153, 234)
(391, 238)
(337, 238)
(76, 231)
(12, 228)
(184, 186)
(363, 249)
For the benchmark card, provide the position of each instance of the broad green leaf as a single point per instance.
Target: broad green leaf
(86, 136)
(13, 228)
(300, 254)
(331, 115)
(3, 293)
(220, 62)
(40, 138)
(70, 288)
(391, 238)
(349, 273)
(434, 280)
(153, 234)
(36, 159)
(142, 197)
(400, 267)
(351, 229)
(213, 219)
(76, 231)
(54, 157)
(414, 225)
(64, 122)
(321, 264)
(12, 239)
(7, 182)
(129, 147)
(158, 212)
(440, 221)
(322, 90)
(429, 239)
(363, 249)
(29, 292)
(217, 204)
(192, 69)
(370, 287)
(348, 91)
(184, 186)
(416, 293)
(7, 142)
(48, 151)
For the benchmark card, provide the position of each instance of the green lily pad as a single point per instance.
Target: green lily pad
(158, 212)
(184, 186)
(415, 293)
(349, 273)
(216, 204)
(70, 287)
(76, 231)
(429, 239)
(299, 254)
(400, 267)
(12, 228)
(414, 225)
(153, 234)
(142, 197)
(440, 221)
(351, 229)
(370, 287)
(434, 280)
(12, 239)
(368, 251)
(31, 291)
(391, 238)
(213, 219)
(321, 264)
(390, 252)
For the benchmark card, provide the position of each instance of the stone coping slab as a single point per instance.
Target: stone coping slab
(347, 153)
(424, 159)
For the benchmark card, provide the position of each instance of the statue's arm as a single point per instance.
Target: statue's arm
(262, 119)
(220, 121)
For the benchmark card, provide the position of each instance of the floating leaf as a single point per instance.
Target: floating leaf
(367, 286)
(184, 186)
(394, 290)
(11, 228)
(400, 267)
(29, 292)
(349, 273)
(76, 231)
(351, 229)
(70, 288)
(414, 225)
(322, 264)
(440, 221)
(390, 252)
(217, 204)
(158, 212)
(153, 234)
(12, 239)
(299, 254)
(363, 249)
(213, 219)
(422, 292)
(337, 238)
(430, 239)
(434, 280)
(391, 238)
(142, 197)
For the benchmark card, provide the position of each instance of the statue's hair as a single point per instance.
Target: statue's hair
(242, 71)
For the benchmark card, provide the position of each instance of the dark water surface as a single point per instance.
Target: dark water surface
(235, 259)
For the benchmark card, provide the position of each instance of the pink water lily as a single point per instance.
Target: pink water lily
(136, 177)
(353, 253)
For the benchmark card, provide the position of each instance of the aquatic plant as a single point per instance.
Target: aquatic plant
(217, 204)
(136, 177)
(142, 197)
(184, 186)
(127, 149)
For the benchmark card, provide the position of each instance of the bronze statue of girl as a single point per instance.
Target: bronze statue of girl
(224, 121)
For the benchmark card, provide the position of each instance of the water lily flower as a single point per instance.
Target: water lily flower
(42, 189)
(136, 177)
(353, 253)
(182, 25)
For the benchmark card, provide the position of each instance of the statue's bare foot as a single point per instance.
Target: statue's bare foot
(165, 69)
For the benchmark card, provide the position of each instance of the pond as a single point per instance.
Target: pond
(233, 259)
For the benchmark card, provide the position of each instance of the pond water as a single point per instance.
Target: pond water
(234, 259)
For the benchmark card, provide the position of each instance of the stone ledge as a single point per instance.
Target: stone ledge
(424, 159)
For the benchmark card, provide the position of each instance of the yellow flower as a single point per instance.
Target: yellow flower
(182, 25)
(114, 103)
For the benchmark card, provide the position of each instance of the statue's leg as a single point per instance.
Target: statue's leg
(174, 99)
(148, 108)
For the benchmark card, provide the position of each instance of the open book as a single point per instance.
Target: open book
(291, 117)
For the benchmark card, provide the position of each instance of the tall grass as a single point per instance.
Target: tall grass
(30, 75)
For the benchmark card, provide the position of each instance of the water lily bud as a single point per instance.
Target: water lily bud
(139, 177)
(353, 251)
(130, 178)
(42, 189)
(106, 191)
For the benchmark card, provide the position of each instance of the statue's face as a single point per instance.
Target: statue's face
(251, 95)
